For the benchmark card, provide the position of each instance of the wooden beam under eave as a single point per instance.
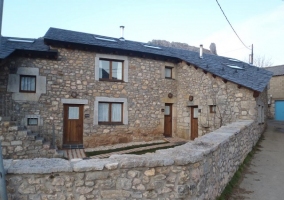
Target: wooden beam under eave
(225, 81)
(214, 76)
(256, 94)
(204, 71)
(196, 67)
(239, 86)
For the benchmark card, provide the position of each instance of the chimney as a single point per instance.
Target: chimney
(122, 33)
(213, 48)
(201, 51)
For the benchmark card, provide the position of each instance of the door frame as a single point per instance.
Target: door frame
(170, 134)
(65, 118)
(193, 120)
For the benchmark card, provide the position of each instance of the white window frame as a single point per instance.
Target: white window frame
(124, 59)
(111, 100)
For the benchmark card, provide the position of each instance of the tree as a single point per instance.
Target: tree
(262, 61)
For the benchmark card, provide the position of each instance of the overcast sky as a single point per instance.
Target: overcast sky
(257, 22)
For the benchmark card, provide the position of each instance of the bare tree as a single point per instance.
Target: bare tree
(262, 61)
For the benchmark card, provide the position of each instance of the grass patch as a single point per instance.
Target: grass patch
(234, 182)
(152, 150)
(94, 153)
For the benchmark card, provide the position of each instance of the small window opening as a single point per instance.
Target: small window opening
(27, 83)
(212, 108)
(168, 72)
(32, 121)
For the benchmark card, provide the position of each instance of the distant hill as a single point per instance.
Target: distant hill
(178, 45)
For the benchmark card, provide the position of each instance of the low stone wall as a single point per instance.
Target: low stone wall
(196, 170)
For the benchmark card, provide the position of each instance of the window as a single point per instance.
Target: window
(111, 70)
(110, 113)
(27, 83)
(168, 72)
(212, 108)
(109, 110)
(195, 113)
(32, 121)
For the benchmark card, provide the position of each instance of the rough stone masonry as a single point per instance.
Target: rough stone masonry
(199, 169)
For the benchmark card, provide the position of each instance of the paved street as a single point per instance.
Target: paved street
(264, 179)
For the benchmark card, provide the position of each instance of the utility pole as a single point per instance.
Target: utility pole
(3, 190)
(1, 14)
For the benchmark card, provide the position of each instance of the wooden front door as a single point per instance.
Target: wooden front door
(168, 120)
(73, 124)
(194, 122)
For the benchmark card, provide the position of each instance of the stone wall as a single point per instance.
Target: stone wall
(199, 169)
(17, 143)
(232, 102)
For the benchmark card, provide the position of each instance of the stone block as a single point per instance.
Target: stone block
(14, 143)
(111, 194)
(39, 166)
(89, 165)
(12, 128)
(96, 175)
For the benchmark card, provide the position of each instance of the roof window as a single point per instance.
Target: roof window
(21, 40)
(232, 59)
(150, 46)
(105, 39)
(234, 66)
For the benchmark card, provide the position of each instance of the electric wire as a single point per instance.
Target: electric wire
(231, 25)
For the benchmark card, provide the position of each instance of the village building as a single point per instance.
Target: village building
(96, 90)
(276, 93)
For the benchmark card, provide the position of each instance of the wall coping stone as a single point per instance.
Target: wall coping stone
(191, 152)
(39, 166)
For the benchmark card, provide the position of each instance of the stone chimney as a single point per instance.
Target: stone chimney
(213, 48)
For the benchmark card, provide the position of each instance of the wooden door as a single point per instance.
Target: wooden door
(194, 122)
(168, 120)
(73, 124)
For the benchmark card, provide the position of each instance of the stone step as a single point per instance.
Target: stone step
(60, 153)
(46, 145)
(13, 128)
(32, 136)
(39, 141)
(5, 119)
(23, 133)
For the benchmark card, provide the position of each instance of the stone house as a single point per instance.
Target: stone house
(99, 90)
(276, 92)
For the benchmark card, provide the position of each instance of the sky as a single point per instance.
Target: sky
(257, 22)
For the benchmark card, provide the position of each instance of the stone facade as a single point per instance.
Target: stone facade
(146, 92)
(199, 169)
(275, 93)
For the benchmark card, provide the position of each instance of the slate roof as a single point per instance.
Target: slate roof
(277, 70)
(8, 47)
(248, 76)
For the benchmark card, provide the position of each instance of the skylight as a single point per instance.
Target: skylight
(20, 40)
(234, 66)
(232, 59)
(153, 47)
(106, 39)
